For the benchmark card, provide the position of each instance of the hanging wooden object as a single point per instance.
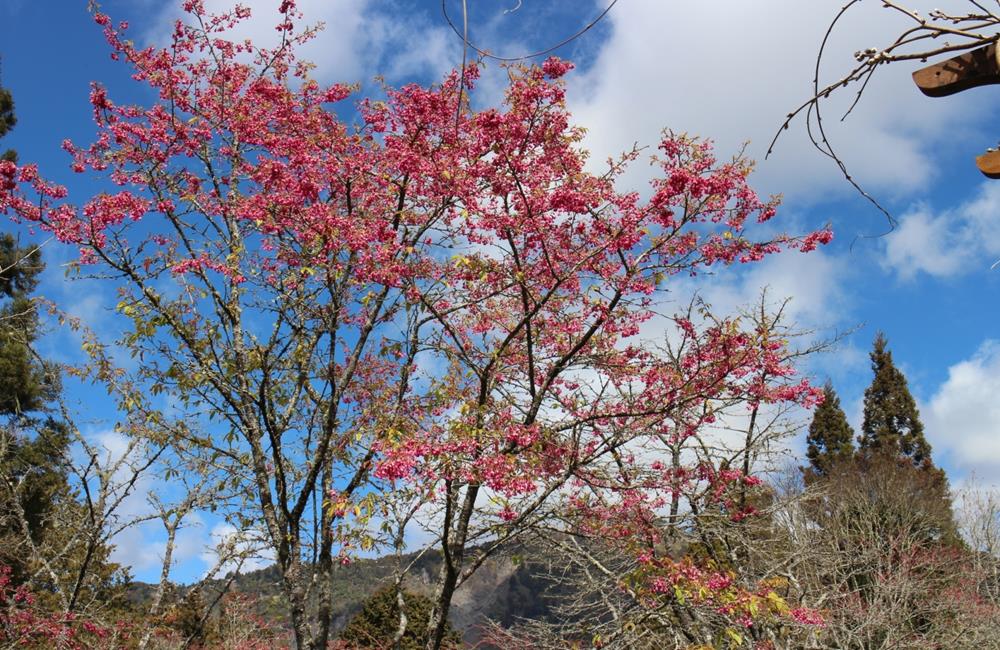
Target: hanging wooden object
(989, 164)
(979, 67)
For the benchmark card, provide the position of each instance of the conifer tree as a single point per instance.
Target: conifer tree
(375, 626)
(891, 420)
(22, 380)
(7, 120)
(32, 465)
(830, 440)
(39, 507)
(25, 384)
(892, 433)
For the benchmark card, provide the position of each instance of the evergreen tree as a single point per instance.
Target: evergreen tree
(22, 380)
(40, 513)
(7, 120)
(25, 383)
(189, 618)
(376, 624)
(31, 468)
(32, 473)
(892, 431)
(831, 439)
(32, 445)
(892, 423)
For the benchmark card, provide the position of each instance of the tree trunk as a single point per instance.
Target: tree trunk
(451, 567)
(154, 607)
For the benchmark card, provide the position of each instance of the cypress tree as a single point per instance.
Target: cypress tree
(892, 434)
(892, 423)
(830, 440)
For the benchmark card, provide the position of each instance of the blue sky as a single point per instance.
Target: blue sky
(727, 70)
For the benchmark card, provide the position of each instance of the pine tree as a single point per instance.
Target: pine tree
(33, 465)
(892, 423)
(40, 512)
(7, 120)
(25, 383)
(189, 618)
(22, 379)
(32, 445)
(377, 622)
(830, 440)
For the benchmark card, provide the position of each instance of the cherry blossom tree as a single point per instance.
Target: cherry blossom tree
(702, 562)
(418, 301)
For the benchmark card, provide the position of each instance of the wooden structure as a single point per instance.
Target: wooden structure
(979, 67)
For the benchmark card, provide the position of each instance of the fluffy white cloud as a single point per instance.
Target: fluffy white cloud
(732, 70)
(947, 243)
(360, 38)
(136, 545)
(812, 283)
(808, 288)
(141, 543)
(226, 536)
(963, 417)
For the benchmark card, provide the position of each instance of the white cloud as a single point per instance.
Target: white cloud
(952, 242)
(732, 70)
(812, 282)
(226, 536)
(136, 546)
(138, 549)
(963, 417)
(360, 38)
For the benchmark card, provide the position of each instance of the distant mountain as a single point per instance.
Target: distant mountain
(504, 589)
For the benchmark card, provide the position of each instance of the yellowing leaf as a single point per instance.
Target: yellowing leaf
(777, 603)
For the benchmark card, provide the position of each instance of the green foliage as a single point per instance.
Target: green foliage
(32, 450)
(25, 383)
(892, 423)
(376, 624)
(7, 120)
(40, 513)
(35, 466)
(830, 439)
(19, 268)
(189, 617)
